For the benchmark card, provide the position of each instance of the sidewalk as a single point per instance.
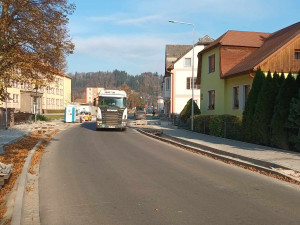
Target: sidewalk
(18, 131)
(276, 159)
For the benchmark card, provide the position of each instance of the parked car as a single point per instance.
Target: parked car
(86, 116)
(140, 115)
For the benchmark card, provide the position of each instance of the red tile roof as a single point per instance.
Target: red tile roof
(273, 43)
(239, 38)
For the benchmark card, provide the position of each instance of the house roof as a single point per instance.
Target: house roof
(176, 52)
(173, 52)
(239, 38)
(271, 44)
(63, 74)
(206, 40)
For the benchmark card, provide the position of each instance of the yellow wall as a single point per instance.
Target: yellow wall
(64, 97)
(212, 81)
(67, 91)
(229, 84)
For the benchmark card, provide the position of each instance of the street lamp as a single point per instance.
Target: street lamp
(36, 102)
(191, 24)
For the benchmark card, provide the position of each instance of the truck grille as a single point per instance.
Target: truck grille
(112, 118)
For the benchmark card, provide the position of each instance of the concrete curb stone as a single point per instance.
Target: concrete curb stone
(19, 200)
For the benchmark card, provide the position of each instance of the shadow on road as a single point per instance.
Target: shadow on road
(92, 126)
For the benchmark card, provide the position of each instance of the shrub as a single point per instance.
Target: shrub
(227, 126)
(201, 123)
(41, 117)
(294, 123)
(248, 128)
(265, 108)
(49, 111)
(287, 91)
(216, 127)
(187, 110)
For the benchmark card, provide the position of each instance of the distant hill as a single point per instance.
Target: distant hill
(146, 85)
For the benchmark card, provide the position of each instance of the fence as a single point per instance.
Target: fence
(220, 126)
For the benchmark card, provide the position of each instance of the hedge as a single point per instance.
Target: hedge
(226, 126)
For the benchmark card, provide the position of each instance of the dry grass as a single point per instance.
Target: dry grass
(16, 154)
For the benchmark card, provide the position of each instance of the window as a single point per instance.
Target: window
(297, 54)
(211, 100)
(16, 98)
(187, 62)
(211, 61)
(245, 93)
(235, 97)
(167, 84)
(189, 83)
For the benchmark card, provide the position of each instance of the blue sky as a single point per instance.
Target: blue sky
(131, 35)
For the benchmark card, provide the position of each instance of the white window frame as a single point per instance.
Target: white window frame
(168, 84)
(186, 60)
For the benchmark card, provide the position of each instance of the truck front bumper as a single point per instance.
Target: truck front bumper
(99, 124)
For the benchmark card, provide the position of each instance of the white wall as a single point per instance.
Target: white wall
(180, 74)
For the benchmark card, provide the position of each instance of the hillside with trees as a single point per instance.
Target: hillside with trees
(141, 89)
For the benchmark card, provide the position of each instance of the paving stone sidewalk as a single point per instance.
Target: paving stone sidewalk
(18, 131)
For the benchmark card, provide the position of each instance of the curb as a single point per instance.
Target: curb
(17, 215)
(225, 156)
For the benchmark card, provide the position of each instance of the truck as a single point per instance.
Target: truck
(112, 110)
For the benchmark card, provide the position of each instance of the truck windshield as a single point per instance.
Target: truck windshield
(112, 102)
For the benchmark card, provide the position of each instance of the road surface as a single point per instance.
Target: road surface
(125, 178)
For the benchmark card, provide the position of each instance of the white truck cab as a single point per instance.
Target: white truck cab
(112, 110)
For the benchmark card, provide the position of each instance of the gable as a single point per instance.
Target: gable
(274, 44)
(231, 56)
(284, 59)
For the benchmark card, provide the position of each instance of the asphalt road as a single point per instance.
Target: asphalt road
(125, 178)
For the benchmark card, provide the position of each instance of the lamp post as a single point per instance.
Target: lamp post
(36, 102)
(191, 24)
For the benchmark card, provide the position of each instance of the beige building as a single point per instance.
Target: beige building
(91, 93)
(26, 97)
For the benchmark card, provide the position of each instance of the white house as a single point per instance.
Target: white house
(177, 82)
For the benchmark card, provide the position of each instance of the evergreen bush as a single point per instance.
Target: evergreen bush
(248, 114)
(216, 126)
(265, 108)
(41, 117)
(294, 122)
(187, 110)
(287, 91)
(201, 123)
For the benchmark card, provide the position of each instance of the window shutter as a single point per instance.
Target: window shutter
(188, 83)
